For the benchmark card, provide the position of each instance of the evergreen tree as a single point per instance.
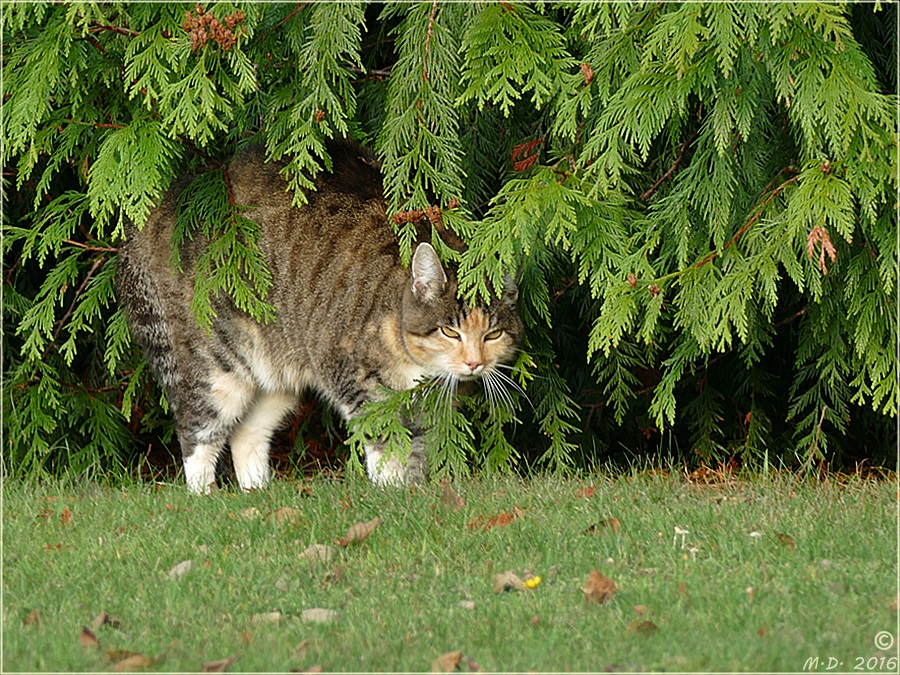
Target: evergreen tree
(699, 200)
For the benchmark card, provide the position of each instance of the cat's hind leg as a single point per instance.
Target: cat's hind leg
(250, 440)
(207, 412)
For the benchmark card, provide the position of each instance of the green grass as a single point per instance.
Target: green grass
(398, 593)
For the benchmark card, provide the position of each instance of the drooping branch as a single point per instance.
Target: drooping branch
(653, 188)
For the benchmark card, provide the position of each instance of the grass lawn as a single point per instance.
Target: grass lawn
(763, 578)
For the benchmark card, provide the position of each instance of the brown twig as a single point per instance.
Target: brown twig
(756, 216)
(300, 7)
(98, 125)
(115, 29)
(62, 322)
(99, 249)
(653, 188)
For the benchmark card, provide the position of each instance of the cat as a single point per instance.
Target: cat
(349, 318)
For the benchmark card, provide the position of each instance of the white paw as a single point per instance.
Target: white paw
(254, 475)
(385, 471)
(199, 474)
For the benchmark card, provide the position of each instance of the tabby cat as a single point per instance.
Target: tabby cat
(350, 317)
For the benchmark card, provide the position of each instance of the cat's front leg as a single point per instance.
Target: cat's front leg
(397, 471)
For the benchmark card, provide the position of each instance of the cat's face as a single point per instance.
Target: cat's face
(447, 338)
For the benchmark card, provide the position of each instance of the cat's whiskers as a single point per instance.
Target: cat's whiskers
(505, 381)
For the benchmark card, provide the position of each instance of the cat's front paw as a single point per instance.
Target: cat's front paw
(392, 471)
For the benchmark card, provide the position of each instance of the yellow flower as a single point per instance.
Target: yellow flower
(532, 582)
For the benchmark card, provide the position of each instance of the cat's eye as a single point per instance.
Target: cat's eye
(450, 333)
(493, 335)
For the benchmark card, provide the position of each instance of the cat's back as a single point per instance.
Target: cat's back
(337, 281)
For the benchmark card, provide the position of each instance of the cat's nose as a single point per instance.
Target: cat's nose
(474, 366)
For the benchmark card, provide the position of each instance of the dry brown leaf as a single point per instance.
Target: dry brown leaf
(359, 532)
(66, 516)
(219, 666)
(447, 663)
(132, 662)
(895, 605)
(508, 581)
(102, 619)
(449, 496)
(500, 520)
(599, 588)
(642, 627)
(317, 553)
(786, 540)
(607, 525)
(88, 639)
(286, 515)
(312, 669)
(585, 493)
(34, 618)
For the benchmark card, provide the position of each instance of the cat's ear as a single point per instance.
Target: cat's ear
(510, 290)
(428, 277)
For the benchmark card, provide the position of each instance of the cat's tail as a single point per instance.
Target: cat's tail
(139, 296)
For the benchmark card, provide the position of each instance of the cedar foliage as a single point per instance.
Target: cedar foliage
(699, 200)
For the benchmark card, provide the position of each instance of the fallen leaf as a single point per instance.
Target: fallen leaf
(267, 617)
(318, 553)
(33, 618)
(640, 609)
(607, 525)
(895, 605)
(312, 669)
(535, 620)
(786, 540)
(286, 515)
(599, 588)
(103, 618)
(500, 520)
(219, 666)
(66, 516)
(642, 627)
(132, 662)
(762, 631)
(359, 532)
(449, 497)
(318, 615)
(181, 569)
(508, 581)
(585, 493)
(447, 663)
(88, 639)
(119, 654)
